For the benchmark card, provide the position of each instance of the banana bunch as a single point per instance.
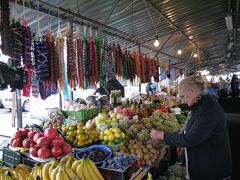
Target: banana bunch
(37, 171)
(15, 174)
(68, 160)
(86, 170)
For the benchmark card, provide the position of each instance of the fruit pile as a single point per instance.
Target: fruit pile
(42, 145)
(120, 162)
(21, 171)
(94, 154)
(146, 153)
(78, 135)
(112, 136)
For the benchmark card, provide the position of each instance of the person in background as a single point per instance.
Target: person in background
(151, 88)
(204, 136)
(167, 82)
(235, 86)
(210, 89)
(222, 87)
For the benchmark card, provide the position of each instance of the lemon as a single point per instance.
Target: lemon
(101, 137)
(75, 141)
(116, 130)
(69, 138)
(122, 134)
(111, 137)
(81, 137)
(110, 143)
(117, 135)
(80, 143)
(105, 138)
(89, 141)
(71, 128)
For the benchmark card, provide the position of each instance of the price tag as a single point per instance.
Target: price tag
(103, 127)
(135, 118)
(115, 126)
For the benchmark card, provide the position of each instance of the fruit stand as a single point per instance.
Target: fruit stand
(114, 144)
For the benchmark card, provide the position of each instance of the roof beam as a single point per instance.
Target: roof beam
(170, 22)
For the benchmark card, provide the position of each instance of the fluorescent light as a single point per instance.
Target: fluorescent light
(229, 22)
(228, 55)
(230, 45)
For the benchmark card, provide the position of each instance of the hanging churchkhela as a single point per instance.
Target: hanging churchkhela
(53, 64)
(86, 61)
(71, 59)
(60, 58)
(99, 59)
(137, 62)
(117, 59)
(124, 65)
(93, 61)
(79, 59)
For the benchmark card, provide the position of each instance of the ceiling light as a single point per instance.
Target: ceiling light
(179, 51)
(228, 55)
(195, 55)
(229, 22)
(230, 45)
(156, 42)
(190, 37)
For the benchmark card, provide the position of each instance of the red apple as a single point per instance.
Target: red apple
(67, 148)
(17, 142)
(59, 141)
(25, 132)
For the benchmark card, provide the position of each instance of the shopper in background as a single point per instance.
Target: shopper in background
(235, 86)
(204, 136)
(150, 88)
(222, 87)
(167, 82)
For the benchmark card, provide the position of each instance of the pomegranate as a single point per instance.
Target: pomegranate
(18, 134)
(43, 142)
(50, 133)
(25, 132)
(58, 141)
(27, 143)
(17, 142)
(67, 148)
(43, 153)
(33, 151)
(56, 151)
(37, 136)
(32, 133)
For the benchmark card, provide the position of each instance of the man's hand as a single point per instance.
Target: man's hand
(156, 135)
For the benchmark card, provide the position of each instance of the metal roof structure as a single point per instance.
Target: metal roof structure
(195, 26)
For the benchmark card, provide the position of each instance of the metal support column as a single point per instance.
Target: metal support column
(19, 108)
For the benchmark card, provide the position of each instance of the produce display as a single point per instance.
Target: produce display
(146, 153)
(79, 135)
(175, 172)
(119, 162)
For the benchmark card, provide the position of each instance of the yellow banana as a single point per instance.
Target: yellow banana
(71, 173)
(33, 172)
(20, 174)
(69, 162)
(94, 169)
(55, 163)
(64, 159)
(45, 171)
(29, 177)
(59, 175)
(79, 170)
(87, 172)
(64, 173)
(75, 164)
(54, 173)
(24, 168)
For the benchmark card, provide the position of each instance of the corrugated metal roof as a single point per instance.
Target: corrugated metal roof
(199, 21)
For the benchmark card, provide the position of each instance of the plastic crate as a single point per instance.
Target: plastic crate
(11, 158)
(84, 114)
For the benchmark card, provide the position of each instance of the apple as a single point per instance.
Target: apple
(119, 116)
(17, 143)
(114, 120)
(108, 120)
(118, 109)
(110, 112)
(43, 142)
(113, 115)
